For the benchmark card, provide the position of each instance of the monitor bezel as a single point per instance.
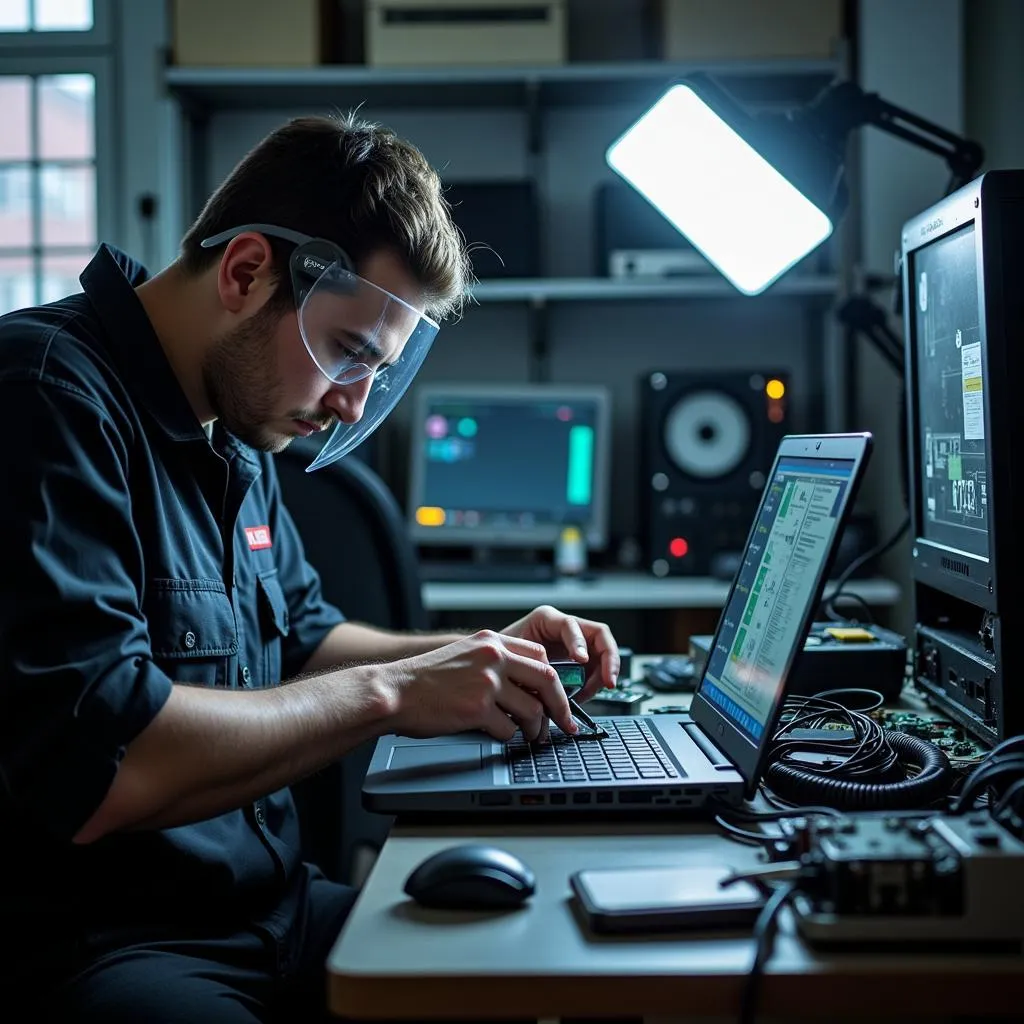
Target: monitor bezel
(596, 532)
(950, 569)
(749, 758)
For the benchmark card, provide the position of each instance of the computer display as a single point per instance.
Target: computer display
(509, 466)
(776, 585)
(950, 391)
(963, 316)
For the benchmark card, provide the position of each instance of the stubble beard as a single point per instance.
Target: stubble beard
(240, 376)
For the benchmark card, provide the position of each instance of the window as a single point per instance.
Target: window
(46, 15)
(47, 185)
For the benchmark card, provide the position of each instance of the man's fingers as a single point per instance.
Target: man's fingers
(498, 724)
(525, 708)
(543, 682)
(524, 648)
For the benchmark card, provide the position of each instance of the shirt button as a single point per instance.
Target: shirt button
(189, 639)
(246, 675)
(261, 818)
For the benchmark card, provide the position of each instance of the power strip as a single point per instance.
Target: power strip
(876, 878)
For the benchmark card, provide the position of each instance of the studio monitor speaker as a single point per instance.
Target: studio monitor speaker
(707, 443)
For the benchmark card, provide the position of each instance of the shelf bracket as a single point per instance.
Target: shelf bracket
(534, 140)
(538, 365)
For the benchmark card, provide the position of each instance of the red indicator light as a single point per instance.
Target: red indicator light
(678, 547)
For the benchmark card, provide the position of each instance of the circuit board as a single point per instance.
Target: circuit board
(947, 736)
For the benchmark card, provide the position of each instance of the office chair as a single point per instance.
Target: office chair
(354, 535)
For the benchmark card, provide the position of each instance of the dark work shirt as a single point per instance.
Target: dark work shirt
(135, 551)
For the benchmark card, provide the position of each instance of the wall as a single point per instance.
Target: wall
(994, 34)
(911, 51)
(912, 54)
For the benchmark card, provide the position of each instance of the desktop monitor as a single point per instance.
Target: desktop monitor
(509, 466)
(963, 268)
(963, 294)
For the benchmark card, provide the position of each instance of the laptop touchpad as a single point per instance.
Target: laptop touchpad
(439, 758)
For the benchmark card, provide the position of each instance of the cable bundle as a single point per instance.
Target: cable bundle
(864, 767)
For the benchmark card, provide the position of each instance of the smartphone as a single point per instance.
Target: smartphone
(664, 899)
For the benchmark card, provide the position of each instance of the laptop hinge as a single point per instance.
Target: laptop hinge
(713, 754)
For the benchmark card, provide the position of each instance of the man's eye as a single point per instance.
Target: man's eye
(347, 349)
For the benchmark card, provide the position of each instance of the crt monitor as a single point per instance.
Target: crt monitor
(508, 466)
(962, 281)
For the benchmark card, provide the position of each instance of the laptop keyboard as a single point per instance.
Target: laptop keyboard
(629, 751)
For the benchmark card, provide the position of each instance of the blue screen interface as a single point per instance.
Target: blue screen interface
(764, 620)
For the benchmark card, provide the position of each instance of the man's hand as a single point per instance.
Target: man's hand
(485, 681)
(583, 640)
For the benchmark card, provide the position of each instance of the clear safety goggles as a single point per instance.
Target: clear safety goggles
(358, 334)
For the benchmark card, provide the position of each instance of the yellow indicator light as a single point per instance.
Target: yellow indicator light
(430, 515)
(775, 388)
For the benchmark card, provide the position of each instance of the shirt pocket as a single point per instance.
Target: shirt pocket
(273, 608)
(192, 630)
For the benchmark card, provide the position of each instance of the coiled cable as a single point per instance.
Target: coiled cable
(863, 767)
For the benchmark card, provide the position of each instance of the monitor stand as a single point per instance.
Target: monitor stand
(489, 565)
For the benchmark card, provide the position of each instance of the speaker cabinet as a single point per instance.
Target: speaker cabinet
(707, 443)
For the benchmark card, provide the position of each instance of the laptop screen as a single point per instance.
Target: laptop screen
(775, 585)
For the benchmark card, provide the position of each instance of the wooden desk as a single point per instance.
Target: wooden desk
(398, 960)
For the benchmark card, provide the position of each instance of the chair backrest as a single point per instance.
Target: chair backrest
(354, 535)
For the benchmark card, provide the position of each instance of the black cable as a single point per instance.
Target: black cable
(861, 560)
(1008, 801)
(765, 929)
(991, 771)
(742, 835)
(864, 766)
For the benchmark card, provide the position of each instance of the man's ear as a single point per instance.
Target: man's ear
(245, 277)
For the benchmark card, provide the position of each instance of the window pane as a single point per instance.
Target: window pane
(68, 205)
(13, 15)
(15, 206)
(15, 140)
(60, 275)
(66, 117)
(17, 283)
(63, 15)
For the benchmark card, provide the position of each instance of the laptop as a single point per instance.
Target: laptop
(662, 763)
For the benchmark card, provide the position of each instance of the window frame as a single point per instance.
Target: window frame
(100, 35)
(101, 68)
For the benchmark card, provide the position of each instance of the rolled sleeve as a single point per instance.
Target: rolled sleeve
(77, 679)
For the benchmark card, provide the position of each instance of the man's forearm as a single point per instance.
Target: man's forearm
(208, 751)
(353, 643)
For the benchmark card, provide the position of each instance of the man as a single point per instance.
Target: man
(154, 590)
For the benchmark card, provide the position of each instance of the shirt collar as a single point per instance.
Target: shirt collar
(109, 282)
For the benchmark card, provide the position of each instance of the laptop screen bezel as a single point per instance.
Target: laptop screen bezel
(720, 729)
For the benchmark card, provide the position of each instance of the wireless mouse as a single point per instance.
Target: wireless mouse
(471, 877)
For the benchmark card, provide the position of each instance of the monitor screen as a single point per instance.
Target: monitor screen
(776, 584)
(949, 393)
(509, 466)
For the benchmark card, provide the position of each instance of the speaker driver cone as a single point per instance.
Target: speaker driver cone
(707, 434)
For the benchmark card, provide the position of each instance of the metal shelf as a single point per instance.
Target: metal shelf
(766, 82)
(586, 289)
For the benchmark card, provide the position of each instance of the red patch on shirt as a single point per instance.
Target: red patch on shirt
(258, 537)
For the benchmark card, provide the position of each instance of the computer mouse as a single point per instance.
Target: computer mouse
(472, 876)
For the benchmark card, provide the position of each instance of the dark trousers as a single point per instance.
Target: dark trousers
(239, 978)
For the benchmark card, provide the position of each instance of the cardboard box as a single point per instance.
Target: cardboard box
(418, 33)
(706, 30)
(251, 33)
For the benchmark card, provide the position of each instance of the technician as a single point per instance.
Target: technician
(154, 591)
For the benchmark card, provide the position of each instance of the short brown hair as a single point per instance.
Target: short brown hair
(350, 181)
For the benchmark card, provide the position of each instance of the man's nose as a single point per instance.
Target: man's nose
(347, 401)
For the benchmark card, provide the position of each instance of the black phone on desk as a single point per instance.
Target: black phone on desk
(664, 898)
